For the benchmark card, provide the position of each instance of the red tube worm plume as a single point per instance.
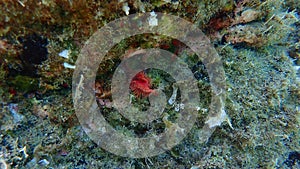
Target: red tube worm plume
(140, 85)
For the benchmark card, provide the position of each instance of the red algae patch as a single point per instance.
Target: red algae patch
(140, 85)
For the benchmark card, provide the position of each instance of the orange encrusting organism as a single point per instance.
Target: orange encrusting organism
(140, 85)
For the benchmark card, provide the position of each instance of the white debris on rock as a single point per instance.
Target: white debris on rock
(152, 19)
(44, 162)
(17, 117)
(126, 8)
(65, 54)
(67, 65)
(172, 99)
(23, 150)
(179, 106)
(216, 120)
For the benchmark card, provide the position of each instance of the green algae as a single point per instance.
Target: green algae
(24, 84)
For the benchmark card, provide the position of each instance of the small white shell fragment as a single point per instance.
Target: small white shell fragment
(23, 150)
(17, 117)
(195, 167)
(217, 120)
(181, 105)
(67, 65)
(44, 162)
(172, 99)
(65, 54)
(177, 107)
(152, 19)
(126, 8)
